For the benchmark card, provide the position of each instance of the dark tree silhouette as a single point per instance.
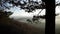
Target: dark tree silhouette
(50, 17)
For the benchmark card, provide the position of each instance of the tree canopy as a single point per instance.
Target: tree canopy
(28, 5)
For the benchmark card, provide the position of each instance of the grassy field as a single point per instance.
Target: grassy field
(17, 27)
(10, 26)
(57, 24)
(42, 24)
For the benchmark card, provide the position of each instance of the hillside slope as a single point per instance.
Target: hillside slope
(10, 26)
